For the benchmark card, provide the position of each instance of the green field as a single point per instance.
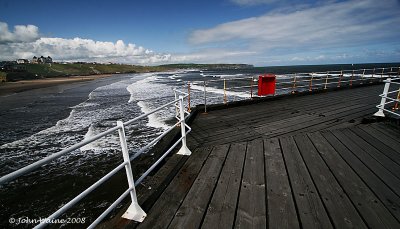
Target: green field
(37, 71)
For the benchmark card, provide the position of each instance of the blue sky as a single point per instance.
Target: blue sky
(259, 32)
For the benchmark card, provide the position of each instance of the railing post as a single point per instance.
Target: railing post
(205, 98)
(134, 212)
(351, 80)
(251, 87)
(362, 77)
(373, 75)
(224, 91)
(189, 109)
(184, 149)
(294, 84)
(396, 104)
(340, 78)
(326, 79)
(176, 104)
(380, 113)
(310, 86)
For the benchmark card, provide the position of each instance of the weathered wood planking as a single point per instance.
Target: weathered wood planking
(194, 206)
(373, 211)
(381, 189)
(251, 212)
(392, 181)
(338, 205)
(222, 208)
(160, 215)
(311, 210)
(281, 208)
(300, 178)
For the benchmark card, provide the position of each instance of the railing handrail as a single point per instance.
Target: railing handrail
(134, 212)
(384, 96)
(299, 80)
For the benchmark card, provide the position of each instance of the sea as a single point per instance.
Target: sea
(40, 122)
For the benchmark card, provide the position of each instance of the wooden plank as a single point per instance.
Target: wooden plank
(162, 212)
(343, 121)
(384, 193)
(251, 211)
(303, 124)
(383, 136)
(222, 208)
(388, 130)
(340, 209)
(281, 208)
(373, 211)
(310, 208)
(390, 152)
(387, 177)
(378, 156)
(190, 213)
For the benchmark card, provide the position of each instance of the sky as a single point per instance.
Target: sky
(151, 32)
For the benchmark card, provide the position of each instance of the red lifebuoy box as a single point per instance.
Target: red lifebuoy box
(266, 84)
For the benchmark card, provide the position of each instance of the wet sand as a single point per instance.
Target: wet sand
(25, 85)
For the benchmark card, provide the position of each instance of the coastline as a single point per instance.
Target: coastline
(9, 88)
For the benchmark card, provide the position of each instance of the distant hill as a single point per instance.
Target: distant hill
(17, 72)
(37, 71)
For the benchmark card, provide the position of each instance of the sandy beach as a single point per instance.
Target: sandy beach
(25, 85)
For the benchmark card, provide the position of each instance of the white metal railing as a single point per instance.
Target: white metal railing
(134, 212)
(393, 96)
(294, 82)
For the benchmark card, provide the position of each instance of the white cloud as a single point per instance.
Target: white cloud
(24, 42)
(341, 24)
(21, 33)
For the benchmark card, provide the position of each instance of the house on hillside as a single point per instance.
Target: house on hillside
(34, 60)
(22, 61)
(49, 60)
(42, 60)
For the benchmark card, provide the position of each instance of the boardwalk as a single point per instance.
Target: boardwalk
(297, 162)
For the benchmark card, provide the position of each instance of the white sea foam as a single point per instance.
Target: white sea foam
(148, 94)
(154, 120)
(93, 145)
(98, 113)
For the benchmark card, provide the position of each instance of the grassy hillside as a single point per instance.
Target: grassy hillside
(52, 70)
(37, 71)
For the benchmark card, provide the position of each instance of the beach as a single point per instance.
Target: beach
(8, 88)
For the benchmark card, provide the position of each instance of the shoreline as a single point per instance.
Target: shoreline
(9, 88)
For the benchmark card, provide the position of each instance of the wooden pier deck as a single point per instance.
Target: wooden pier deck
(295, 162)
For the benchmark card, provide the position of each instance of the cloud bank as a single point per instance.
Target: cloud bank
(25, 42)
